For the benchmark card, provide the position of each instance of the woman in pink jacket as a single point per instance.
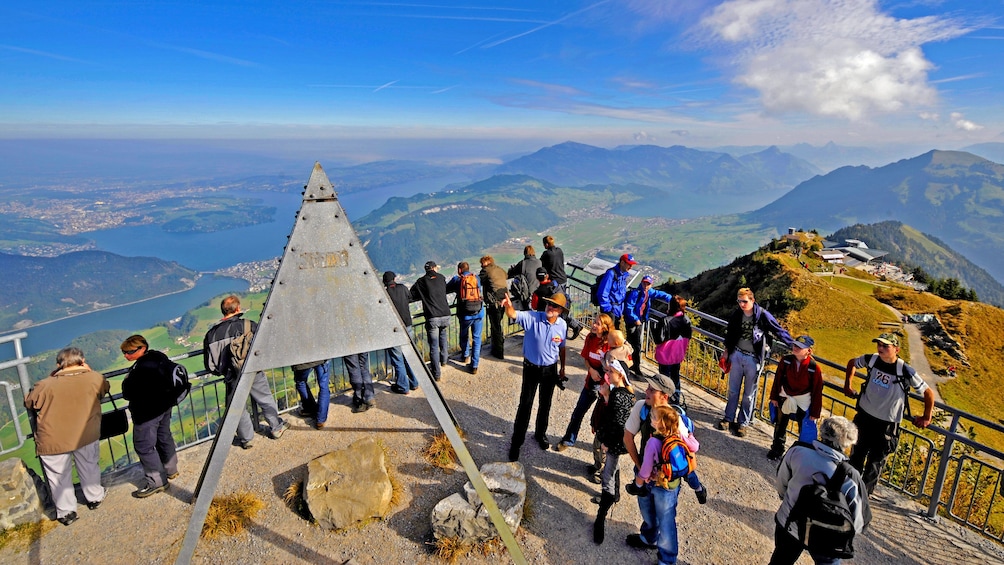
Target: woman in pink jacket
(670, 353)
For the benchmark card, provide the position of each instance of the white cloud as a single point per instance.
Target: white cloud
(929, 116)
(960, 122)
(642, 136)
(838, 58)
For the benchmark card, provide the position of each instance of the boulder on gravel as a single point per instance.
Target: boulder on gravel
(19, 499)
(349, 485)
(465, 518)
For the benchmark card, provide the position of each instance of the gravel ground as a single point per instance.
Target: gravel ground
(736, 526)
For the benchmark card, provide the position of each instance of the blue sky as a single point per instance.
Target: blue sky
(609, 72)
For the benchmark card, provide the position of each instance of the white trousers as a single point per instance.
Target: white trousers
(59, 472)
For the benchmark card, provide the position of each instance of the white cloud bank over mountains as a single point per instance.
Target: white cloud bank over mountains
(833, 58)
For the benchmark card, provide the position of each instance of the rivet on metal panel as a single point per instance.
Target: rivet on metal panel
(351, 243)
(282, 282)
(292, 250)
(366, 272)
(397, 329)
(303, 217)
(304, 187)
(336, 215)
(256, 353)
(269, 317)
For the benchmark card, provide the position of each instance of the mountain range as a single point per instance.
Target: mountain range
(952, 195)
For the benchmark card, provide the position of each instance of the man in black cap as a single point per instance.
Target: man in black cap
(546, 288)
(431, 290)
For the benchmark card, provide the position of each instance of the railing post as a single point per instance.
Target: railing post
(939, 479)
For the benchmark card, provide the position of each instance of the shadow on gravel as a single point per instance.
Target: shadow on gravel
(295, 549)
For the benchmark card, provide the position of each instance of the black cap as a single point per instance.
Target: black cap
(430, 265)
(541, 272)
(388, 277)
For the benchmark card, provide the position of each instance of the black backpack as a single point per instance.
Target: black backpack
(520, 289)
(594, 289)
(823, 516)
(177, 375)
(658, 329)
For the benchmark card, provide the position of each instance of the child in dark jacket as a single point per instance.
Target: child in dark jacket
(796, 392)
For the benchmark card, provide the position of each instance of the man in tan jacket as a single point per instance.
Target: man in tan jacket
(67, 404)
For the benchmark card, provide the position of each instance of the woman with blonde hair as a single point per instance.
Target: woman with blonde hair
(593, 351)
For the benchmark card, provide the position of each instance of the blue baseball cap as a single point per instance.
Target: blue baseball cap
(804, 342)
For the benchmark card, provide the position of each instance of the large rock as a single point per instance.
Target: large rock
(349, 485)
(464, 516)
(19, 500)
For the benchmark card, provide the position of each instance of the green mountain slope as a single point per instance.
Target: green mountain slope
(404, 233)
(955, 196)
(908, 246)
(45, 288)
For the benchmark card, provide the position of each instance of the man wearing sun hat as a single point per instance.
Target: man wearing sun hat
(543, 366)
(636, 308)
(612, 288)
(880, 406)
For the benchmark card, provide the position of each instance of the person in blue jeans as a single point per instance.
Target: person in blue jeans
(404, 377)
(657, 494)
(470, 312)
(357, 366)
(310, 408)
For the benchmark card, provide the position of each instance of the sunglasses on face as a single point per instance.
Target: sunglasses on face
(743, 301)
(131, 351)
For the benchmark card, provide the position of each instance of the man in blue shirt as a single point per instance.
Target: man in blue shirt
(636, 308)
(612, 288)
(543, 366)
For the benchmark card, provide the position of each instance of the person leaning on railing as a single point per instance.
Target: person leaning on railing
(68, 428)
(880, 405)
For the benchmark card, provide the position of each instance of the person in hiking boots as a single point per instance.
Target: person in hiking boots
(493, 281)
(553, 261)
(431, 290)
(67, 407)
(807, 464)
(660, 388)
(470, 312)
(746, 350)
(151, 397)
(593, 350)
(217, 360)
(404, 377)
(797, 391)
(881, 403)
(637, 305)
(610, 432)
(543, 367)
(611, 289)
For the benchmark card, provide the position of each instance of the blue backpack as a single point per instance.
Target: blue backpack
(675, 458)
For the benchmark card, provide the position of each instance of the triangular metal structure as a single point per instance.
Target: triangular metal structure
(327, 283)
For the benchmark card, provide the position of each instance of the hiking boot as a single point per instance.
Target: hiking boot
(359, 408)
(283, 426)
(562, 445)
(636, 541)
(398, 390)
(68, 519)
(740, 431)
(543, 443)
(93, 505)
(723, 425)
(148, 491)
(173, 476)
(472, 369)
(319, 426)
(242, 444)
(774, 454)
(702, 495)
(575, 332)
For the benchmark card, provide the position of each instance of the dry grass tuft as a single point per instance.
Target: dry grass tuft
(439, 453)
(20, 538)
(293, 497)
(230, 515)
(451, 549)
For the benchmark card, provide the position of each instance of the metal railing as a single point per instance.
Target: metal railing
(944, 466)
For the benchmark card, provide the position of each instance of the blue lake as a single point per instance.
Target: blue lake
(205, 252)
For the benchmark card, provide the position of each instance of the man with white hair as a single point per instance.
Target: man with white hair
(804, 465)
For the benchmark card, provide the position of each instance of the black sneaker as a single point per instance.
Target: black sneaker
(93, 505)
(398, 390)
(543, 443)
(358, 408)
(774, 454)
(575, 332)
(242, 444)
(148, 491)
(68, 519)
(635, 541)
(702, 495)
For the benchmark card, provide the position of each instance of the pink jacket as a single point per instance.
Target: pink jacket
(673, 351)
